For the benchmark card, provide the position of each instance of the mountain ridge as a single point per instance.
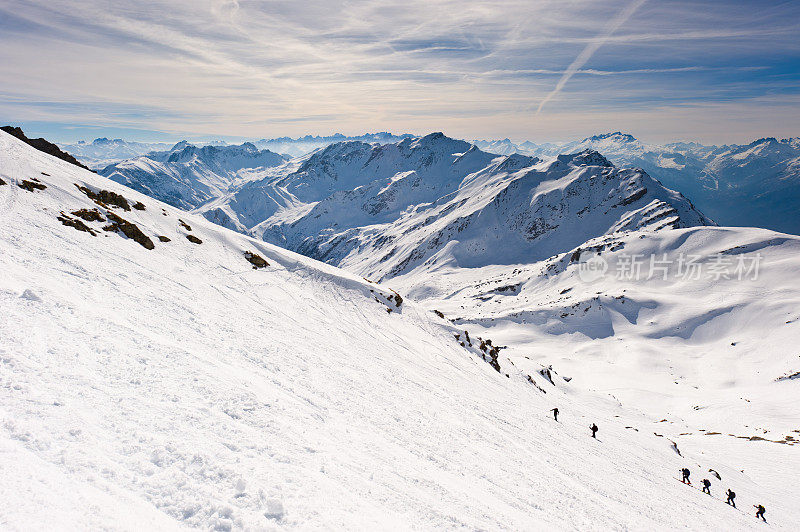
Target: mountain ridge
(355, 196)
(42, 145)
(187, 176)
(755, 184)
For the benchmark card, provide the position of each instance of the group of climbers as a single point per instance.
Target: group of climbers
(730, 494)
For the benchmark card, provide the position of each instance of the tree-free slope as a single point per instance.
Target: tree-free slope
(180, 386)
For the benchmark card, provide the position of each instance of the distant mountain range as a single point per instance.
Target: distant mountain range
(187, 176)
(303, 145)
(384, 210)
(102, 152)
(756, 184)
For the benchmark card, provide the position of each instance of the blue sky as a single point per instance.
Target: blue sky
(711, 71)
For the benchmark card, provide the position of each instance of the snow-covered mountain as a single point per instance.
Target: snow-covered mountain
(755, 185)
(297, 147)
(382, 210)
(338, 168)
(507, 147)
(103, 151)
(187, 176)
(160, 371)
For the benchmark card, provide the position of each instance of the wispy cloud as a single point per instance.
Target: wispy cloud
(472, 67)
(590, 49)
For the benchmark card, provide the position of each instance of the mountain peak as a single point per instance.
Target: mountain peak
(616, 136)
(437, 140)
(764, 140)
(585, 158)
(180, 145)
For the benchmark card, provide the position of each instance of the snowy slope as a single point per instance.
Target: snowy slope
(187, 176)
(709, 348)
(550, 304)
(156, 388)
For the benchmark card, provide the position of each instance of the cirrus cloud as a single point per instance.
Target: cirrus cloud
(473, 68)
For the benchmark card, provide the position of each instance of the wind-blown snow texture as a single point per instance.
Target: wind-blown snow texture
(154, 388)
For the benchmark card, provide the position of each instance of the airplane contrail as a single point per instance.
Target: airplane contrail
(591, 48)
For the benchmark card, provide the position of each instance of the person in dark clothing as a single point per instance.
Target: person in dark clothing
(706, 486)
(555, 413)
(685, 473)
(731, 496)
(594, 429)
(760, 511)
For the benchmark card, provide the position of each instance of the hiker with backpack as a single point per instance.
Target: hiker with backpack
(760, 511)
(685, 472)
(706, 486)
(555, 413)
(594, 430)
(731, 496)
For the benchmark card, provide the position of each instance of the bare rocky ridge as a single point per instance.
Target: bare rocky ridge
(42, 145)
